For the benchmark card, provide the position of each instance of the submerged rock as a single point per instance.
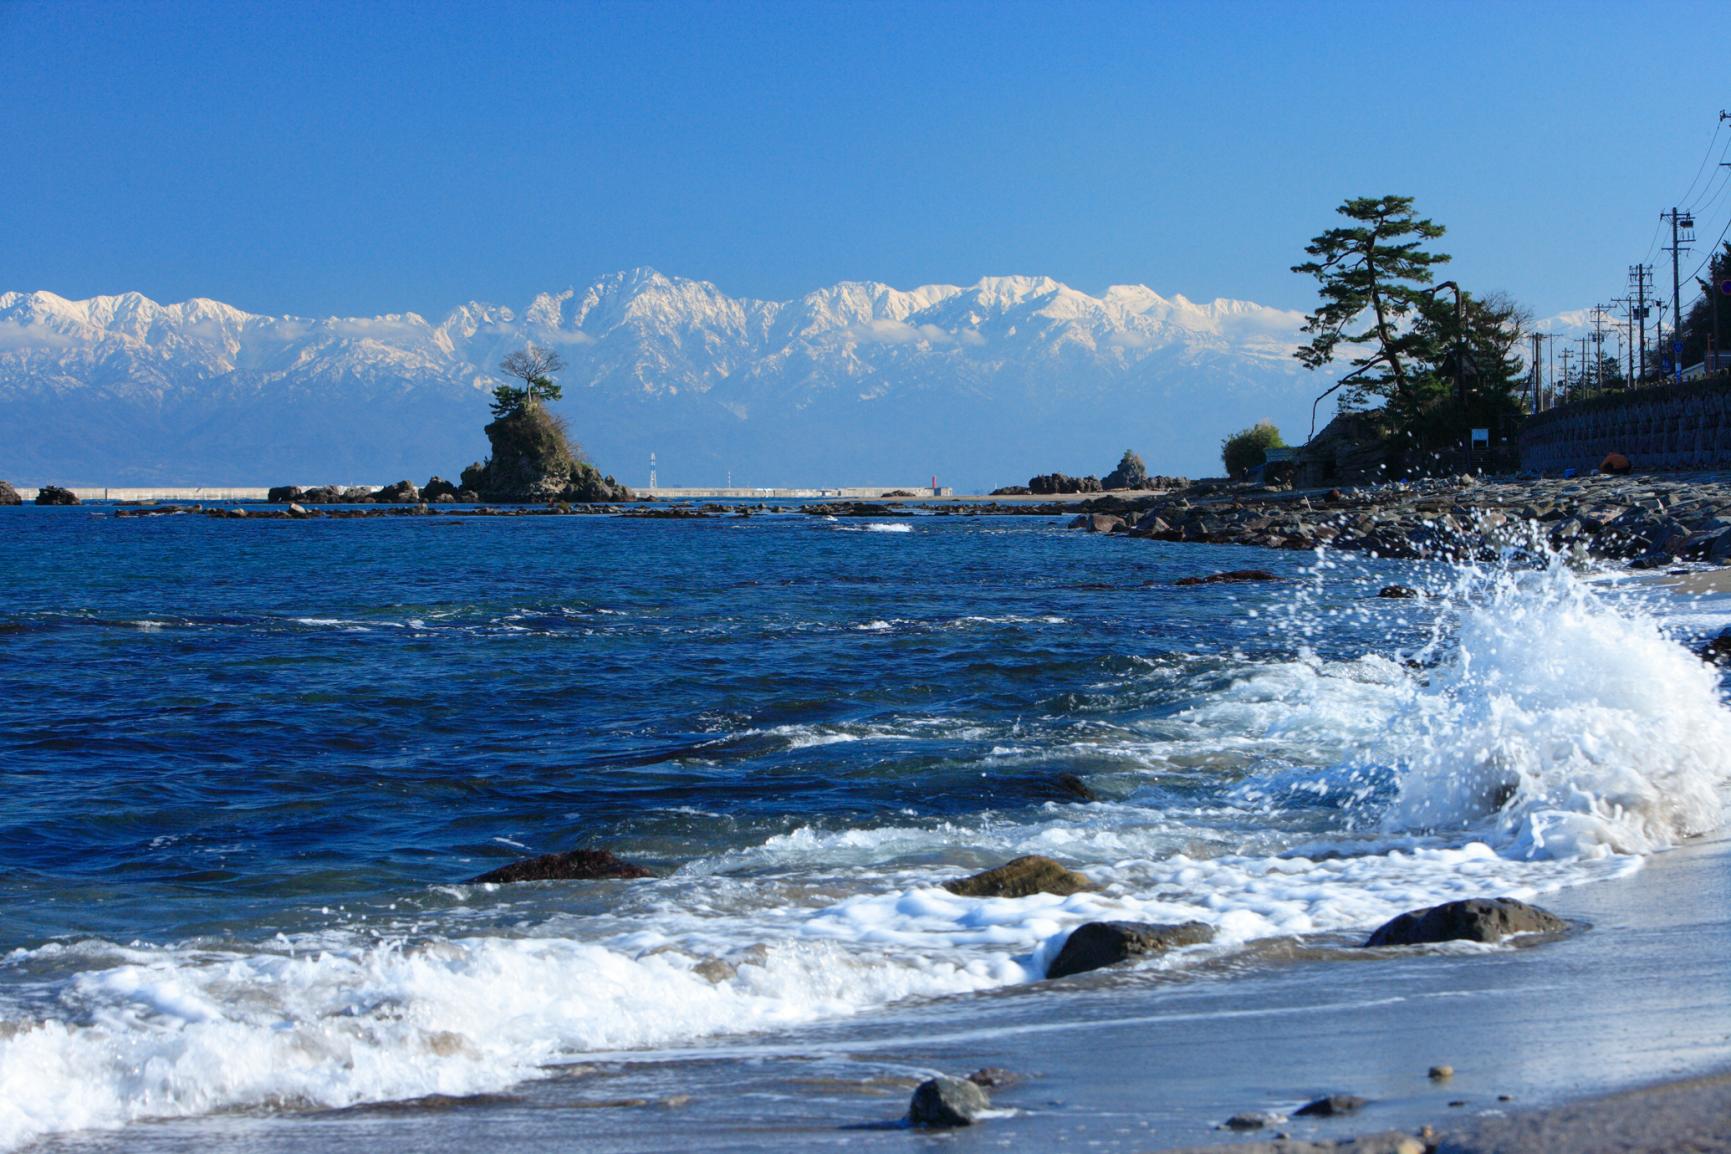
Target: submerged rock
(55, 495)
(9, 495)
(1718, 650)
(989, 1077)
(1333, 1106)
(1252, 1120)
(1098, 523)
(944, 1101)
(1398, 592)
(574, 865)
(1095, 945)
(1074, 788)
(1229, 577)
(1019, 878)
(1473, 920)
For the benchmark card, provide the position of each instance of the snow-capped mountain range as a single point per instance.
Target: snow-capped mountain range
(858, 383)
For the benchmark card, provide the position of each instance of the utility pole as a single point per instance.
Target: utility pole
(1659, 333)
(1682, 233)
(1568, 379)
(1599, 346)
(1628, 307)
(1552, 369)
(1538, 340)
(1641, 279)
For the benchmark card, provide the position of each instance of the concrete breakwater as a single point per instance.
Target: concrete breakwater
(1686, 426)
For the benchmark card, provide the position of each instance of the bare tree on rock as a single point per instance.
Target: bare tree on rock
(534, 366)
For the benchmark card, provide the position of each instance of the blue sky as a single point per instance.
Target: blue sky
(378, 157)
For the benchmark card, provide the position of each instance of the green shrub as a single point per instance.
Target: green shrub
(1248, 448)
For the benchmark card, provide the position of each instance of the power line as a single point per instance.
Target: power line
(1708, 155)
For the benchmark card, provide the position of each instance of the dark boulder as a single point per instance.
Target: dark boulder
(1232, 577)
(9, 495)
(1473, 920)
(402, 493)
(1252, 1120)
(1151, 524)
(575, 865)
(1333, 1106)
(285, 494)
(55, 495)
(533, 461)
(1012, 491)
(467, 496)
(1098, 523)
(991, 1077)
(1398, 592)
(357, 494)
(323, 495)
(1131, 473)
(1048, 484)
(1019, 878)
(437, 487)
(945, 1101)
(1098, 944)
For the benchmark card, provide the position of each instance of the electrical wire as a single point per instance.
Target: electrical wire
(1718, 126)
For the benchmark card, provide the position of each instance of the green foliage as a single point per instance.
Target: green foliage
(535, 368)
(1436, 363)
(1698, 321)
(1248, 448)
(1371, 273)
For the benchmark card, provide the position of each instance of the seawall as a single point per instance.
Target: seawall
(1667, 427)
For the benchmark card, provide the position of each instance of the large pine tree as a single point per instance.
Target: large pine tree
(1372, 275)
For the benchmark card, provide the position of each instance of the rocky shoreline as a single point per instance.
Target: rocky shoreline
(1643, 521)
(1647, 521)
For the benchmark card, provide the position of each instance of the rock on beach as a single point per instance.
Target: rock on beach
(1473, 920)
(1095, 945)
(1019, 878)
(943, 1102)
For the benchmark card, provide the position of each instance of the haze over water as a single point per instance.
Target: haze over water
(267, 754)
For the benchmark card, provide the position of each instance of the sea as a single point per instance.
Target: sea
(247, 768)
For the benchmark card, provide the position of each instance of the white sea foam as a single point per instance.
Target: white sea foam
(1564, 726)
(877, 527)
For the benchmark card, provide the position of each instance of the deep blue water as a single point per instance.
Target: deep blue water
(201, 719)
(246, 766)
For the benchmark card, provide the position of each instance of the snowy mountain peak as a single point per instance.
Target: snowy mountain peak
(857, 381)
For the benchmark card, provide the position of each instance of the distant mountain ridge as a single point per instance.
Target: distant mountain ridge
(856, 383)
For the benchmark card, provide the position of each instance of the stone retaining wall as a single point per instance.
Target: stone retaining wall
(1685, 426)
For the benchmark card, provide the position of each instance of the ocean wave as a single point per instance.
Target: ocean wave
(1547, 734)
